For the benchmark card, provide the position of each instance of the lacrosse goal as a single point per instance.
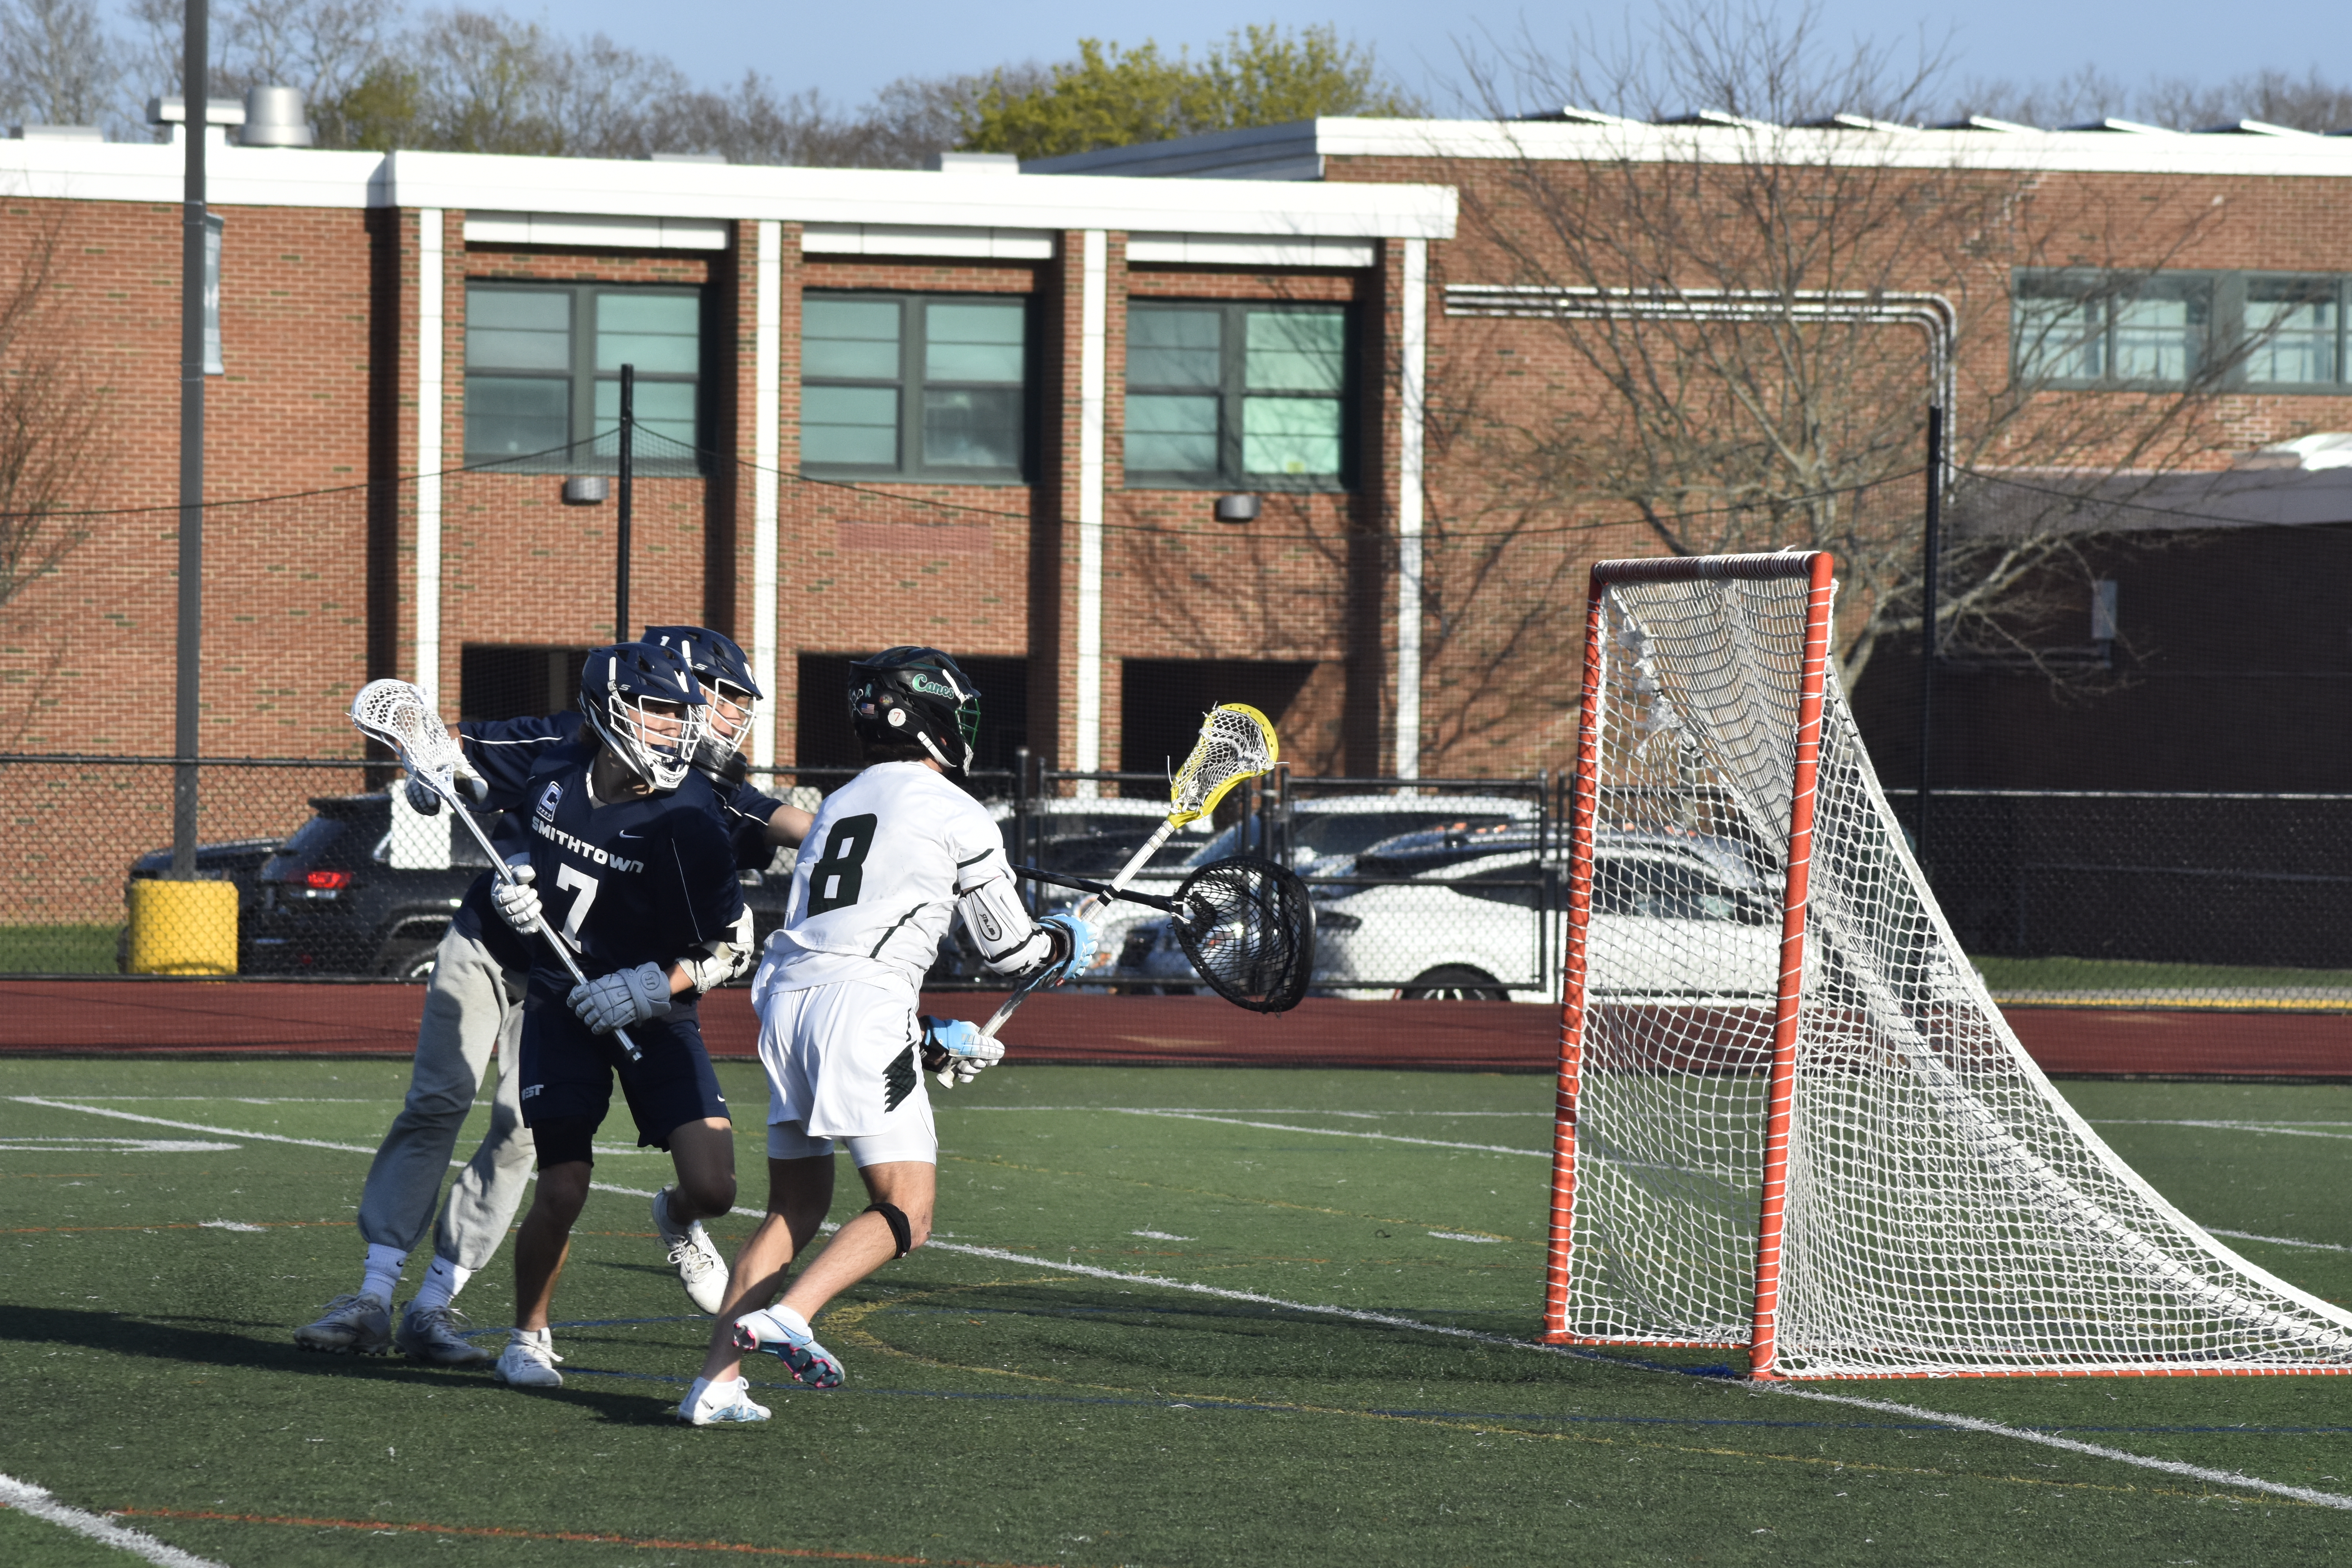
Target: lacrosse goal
(1791, 1118)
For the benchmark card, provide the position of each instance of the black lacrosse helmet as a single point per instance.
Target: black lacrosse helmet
(1249, 931)
(916, 694)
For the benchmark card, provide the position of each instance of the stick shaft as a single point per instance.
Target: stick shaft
(505, 873)
(1103, 890)
(1086, 907)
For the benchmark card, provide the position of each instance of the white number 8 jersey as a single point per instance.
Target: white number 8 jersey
(878, 878)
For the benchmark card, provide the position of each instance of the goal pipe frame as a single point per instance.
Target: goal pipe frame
(1817, 567)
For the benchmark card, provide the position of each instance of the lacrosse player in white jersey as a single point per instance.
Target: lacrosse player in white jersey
(893, 857)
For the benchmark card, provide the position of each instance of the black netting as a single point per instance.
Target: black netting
(1250, 932)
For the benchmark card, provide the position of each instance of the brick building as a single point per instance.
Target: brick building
(996, 410)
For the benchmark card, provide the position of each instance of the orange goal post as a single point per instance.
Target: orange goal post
(1790, 1119)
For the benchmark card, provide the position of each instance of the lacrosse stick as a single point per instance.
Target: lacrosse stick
(1236, 743)
(396, 713)
(1246, 924)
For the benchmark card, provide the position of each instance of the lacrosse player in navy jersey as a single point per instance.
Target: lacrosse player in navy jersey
(629, 865)
(474, 1002)
(893, 857)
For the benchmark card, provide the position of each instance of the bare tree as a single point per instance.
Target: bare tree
(58, 64)
(52, 429)
(1759, 165)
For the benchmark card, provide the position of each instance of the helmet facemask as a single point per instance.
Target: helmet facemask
(655, 740)
(726, 722)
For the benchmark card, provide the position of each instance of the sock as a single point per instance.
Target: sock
(382, 1276)
(702, 1385)
(442, 1283)
(543, 1338)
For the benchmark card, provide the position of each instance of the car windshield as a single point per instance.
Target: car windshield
(1326, 833)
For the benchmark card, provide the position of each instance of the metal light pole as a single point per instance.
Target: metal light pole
(195, 98)
(1931, 548)
(629, 495)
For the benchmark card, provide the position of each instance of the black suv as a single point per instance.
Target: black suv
(332, 903)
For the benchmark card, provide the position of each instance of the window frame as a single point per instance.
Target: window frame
(914, 317)
(1232, 394)
(582, 456)
(2228, 344)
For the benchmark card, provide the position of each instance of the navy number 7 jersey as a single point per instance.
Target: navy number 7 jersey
(643, 880)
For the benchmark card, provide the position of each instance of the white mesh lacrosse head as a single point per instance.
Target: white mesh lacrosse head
(396, 713)
(1236, 743)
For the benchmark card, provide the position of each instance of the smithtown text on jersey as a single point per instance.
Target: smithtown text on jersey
(581, 846)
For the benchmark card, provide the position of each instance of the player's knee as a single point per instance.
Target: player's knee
(909, 1230)
(712, 1194)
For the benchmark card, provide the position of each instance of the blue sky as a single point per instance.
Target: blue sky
(850, 49)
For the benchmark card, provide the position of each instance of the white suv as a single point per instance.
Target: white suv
(1479, 917)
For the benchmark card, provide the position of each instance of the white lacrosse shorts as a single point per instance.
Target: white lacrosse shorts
(844, 1061)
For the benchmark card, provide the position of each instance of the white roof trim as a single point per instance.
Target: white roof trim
(597, 187)
(928, 240)
(1229, 152)
(598, 233)
(1246, 250)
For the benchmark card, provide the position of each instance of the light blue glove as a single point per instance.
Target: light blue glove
(624, 997)
(1079, 937)
(957, 1051)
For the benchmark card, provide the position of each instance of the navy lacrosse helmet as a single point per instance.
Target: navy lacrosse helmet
(916, 694)
(642, 701)
(726, 678)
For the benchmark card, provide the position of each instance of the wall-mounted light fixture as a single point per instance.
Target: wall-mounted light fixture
(1237, 509)
(584, 490)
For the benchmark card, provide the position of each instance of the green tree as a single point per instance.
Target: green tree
(1115, 97)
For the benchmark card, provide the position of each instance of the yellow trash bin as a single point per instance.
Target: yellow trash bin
(182, 928)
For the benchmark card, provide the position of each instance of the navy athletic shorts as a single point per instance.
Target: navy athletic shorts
(568, 1072)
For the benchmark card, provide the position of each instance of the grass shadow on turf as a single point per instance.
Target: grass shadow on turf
(174, 1340)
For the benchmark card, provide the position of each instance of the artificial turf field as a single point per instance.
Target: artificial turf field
(1039, 1388)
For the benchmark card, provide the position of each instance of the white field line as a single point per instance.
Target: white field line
(1934, 1417)
(2285, 1130)
(68, 1145)
(938, 1105)
(2278, 1240)
(304, 1142)
(1390, 1319)
(1339, 1132)
(37, 1501)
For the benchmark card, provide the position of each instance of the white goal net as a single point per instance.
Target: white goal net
(1791, 1118)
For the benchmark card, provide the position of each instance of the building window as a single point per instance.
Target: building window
(543, 374)
(935, 386)
(1236, 393)
(2106, 328)
(2295, 328)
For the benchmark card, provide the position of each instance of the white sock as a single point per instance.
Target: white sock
(442, 1283)
(382, 1276)
(543, 1338)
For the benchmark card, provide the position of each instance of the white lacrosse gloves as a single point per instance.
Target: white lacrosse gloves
(729, 958)
(957, 1051)
(1074, 941)
(517, 902)
(425, 800)
(618, 1000)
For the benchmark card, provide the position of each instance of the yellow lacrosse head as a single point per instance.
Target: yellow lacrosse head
(1236, 743)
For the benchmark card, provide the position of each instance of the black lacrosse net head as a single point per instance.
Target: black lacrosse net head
(1249, 931)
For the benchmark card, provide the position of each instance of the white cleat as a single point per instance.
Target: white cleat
(356, 1324)
(810, 1364)
(529, 1360)
(702, 1268)
(433, 1334)
(709, 1404)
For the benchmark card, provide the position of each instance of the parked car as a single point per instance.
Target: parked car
(330, 901)
(1328, 833)
(1475, 916)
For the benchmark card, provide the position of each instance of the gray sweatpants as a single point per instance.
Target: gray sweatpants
(471, 1006)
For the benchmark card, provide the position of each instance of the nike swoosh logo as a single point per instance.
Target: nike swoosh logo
(629, 836)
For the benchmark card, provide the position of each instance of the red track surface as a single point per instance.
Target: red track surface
(195, 1017)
